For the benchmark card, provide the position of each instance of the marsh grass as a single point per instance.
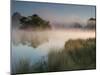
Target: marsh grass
(77, 55)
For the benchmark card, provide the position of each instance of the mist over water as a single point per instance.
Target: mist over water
(33, 45)
(49, 36)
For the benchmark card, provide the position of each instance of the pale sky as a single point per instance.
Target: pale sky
(54, 12)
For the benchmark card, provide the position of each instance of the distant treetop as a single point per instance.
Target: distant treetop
(92, 19)
(34, 22)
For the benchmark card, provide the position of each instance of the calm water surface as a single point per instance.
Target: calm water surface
(33, 45)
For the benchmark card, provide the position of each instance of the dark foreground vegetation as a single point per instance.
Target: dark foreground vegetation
(77, 55)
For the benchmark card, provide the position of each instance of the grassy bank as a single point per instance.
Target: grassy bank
(77, 55)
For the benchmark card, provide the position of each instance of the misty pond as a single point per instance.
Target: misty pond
(35, 45)
(50, 37)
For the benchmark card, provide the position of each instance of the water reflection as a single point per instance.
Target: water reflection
(33, 45)
(29, 38)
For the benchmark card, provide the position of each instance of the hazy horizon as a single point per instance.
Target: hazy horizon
(55, 13)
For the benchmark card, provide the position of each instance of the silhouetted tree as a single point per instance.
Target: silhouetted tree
(15, 19)
(34, 21)
(91, 24)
